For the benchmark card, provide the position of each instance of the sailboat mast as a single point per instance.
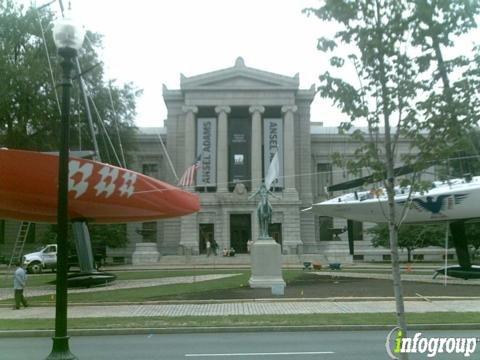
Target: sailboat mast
(89, 114)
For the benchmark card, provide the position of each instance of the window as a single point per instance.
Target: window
(150, 169)
(326, 228)
(324, 178)
(357, 230)
(387, 257)
(358, 257)
(209, 189)
(449, 256)
(149, 231)
(51, 249)
(418, 257)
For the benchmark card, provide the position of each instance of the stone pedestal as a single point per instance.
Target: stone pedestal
(145, 254)
(266, 263)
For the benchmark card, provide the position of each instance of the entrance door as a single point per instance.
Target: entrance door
(206, 233)
(240, 231)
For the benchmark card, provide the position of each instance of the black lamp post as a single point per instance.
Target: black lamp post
(68, 36)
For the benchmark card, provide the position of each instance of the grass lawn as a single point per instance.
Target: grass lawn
(389, 272)
(47, 278)
(163, 292)
(244, 320)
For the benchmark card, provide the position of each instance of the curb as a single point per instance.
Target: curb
(245, 329)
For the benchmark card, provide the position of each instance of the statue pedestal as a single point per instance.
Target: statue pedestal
(266, 263)
(145, 254)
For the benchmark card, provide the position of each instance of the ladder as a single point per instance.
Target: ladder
(17, 251)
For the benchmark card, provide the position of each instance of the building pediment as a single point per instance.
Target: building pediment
(239, 77)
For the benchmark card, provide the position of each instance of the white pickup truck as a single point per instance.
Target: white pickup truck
(45, 258)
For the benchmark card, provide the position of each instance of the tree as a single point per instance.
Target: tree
(410, 237)
(472, 232)
(449, 110)
(392, 94)
(29, 109)
(101, 236)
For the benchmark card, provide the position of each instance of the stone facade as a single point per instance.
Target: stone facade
(307, 163)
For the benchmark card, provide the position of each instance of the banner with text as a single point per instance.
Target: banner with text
(207, 147)
(273, 142)
(240, 148)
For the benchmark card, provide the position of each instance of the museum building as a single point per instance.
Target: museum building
(232, 122)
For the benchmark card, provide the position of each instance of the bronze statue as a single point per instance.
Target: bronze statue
(264, 210)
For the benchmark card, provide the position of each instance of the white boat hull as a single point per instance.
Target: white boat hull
(455, 200)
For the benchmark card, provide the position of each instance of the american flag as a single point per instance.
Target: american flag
(188, 177)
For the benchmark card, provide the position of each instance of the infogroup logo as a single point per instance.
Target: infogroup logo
(397, 344)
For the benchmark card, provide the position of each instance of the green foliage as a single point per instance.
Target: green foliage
(410, 237)
(472, 232)
(111, 235)
(29, 111)
(278, 320)
(448, 109)
(403, 85)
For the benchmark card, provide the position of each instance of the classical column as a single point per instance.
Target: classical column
(289, 148)
(190, 112)
(256, 111)
(189, 227)
(222, 148)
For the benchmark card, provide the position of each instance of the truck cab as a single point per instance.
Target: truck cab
(45, 258)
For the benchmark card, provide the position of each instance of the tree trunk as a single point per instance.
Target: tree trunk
(390, 185)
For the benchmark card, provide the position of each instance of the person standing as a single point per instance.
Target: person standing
(249, 245)
(214, 247)
(19, 282)
(208, 244)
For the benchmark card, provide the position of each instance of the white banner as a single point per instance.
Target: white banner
(207, 147)
(273, 142)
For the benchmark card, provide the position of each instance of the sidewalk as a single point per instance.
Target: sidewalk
(252, 307)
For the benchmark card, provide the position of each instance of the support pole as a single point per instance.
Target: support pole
(60, 349)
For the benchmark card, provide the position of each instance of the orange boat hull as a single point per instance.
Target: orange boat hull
(98, 192)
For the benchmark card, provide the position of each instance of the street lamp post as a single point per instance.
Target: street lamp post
(68, 36)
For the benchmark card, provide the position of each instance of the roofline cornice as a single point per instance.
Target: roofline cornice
(239, 69)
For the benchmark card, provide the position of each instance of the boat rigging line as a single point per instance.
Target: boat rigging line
(168, 157)
(117, 131)
(102, 125)
(86, 97)
(42, 31)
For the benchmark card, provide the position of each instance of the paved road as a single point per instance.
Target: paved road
(367, 345)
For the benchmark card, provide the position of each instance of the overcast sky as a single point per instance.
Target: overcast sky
(151, 42)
